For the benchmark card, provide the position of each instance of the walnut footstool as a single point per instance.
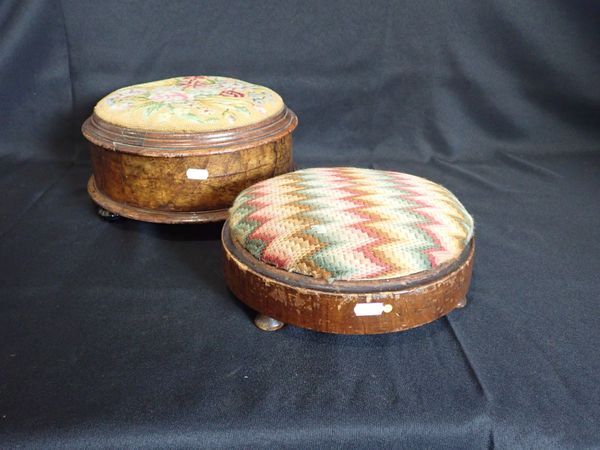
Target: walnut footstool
(348, 250)
(180, 150)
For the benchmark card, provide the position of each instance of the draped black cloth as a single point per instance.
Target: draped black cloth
(124, 334)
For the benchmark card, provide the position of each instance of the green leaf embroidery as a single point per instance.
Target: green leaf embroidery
(192, 117)
(152, 108)
(241, 109)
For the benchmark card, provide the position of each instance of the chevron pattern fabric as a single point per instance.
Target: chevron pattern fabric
(350, 224)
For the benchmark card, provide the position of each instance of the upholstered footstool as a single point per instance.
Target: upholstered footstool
(347, 250)
(180, 150)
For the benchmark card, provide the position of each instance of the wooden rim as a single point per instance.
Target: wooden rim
(306, 302)
(152, 215)
(173, 144)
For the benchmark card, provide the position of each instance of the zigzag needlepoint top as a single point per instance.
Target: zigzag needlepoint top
(350, 224)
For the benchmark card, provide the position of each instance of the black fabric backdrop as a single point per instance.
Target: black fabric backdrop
(125, 335)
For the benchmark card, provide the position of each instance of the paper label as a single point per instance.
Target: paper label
(371, 309)
(197, 174)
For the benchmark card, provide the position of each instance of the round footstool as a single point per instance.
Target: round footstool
(348, 250)
(180, 150)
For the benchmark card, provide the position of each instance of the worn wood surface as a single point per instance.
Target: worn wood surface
(152, 215)
(144, 176)
(298, 300)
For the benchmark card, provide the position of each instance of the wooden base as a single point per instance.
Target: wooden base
(346, 307)
(149, 215)
(184, 177)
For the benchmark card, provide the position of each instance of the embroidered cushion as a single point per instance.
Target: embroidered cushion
(350, 224)
(189, 104)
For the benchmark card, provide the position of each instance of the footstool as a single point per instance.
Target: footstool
(348, 250)
(180, 150)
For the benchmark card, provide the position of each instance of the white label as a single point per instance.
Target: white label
(371, 309)
(197, 174)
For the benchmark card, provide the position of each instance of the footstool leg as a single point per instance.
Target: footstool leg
(462, 303)
(267, 323)
(107, 215)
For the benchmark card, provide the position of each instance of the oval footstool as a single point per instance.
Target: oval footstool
(348, 250)
(180, 150)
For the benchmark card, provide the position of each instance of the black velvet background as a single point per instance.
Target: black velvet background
(124, 334)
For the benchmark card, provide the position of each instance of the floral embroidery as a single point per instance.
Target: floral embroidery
(200, 101)
(231, 93)
(192, 82)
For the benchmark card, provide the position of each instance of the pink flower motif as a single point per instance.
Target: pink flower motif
(132, 92)
(231, 93)
(120, 106)
(169, 96)
(192, 82)
(124, 94)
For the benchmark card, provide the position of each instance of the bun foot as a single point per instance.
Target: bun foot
(107, 215)
(267, 323)
(462, 303)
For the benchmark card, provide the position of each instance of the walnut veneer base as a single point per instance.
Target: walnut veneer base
(150, 215)
(346, 307)
(183, 177)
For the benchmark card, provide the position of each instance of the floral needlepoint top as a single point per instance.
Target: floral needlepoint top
(189, 104)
